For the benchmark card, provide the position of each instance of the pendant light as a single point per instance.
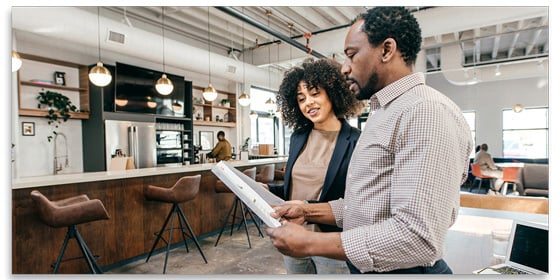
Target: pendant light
(253, 115)
(99, 75)
(244, 98)
(121, 102)
(16, 61)
(163, 85)
(176, 106)
(518, 108)
(209, 92)
(151, 104)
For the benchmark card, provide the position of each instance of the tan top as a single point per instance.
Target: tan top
(222, 151)
(310, 168)
(484, 159)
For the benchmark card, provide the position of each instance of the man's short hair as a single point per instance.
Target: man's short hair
(398, 23)
(484, 147)
(221, 133)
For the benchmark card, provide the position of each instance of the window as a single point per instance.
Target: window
(259, 96)
(264, 128)
(525, 134)
(470, 116)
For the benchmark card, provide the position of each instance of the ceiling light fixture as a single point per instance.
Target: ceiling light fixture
(517, 108)
(209, 92)
(177, 106)
(99, 75)
(253, 115)
(121, 102)
(498, 72)
(151, 104)
(16, 61)
(163, 85)
(244, 98)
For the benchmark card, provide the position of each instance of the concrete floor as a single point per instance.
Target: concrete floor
(231, 256)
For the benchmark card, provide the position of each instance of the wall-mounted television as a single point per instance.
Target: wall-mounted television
(136, 92)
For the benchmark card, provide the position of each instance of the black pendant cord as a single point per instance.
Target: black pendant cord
(243, 47)
(269, 61)
(209, 74)
(98, 36)
(163, 36)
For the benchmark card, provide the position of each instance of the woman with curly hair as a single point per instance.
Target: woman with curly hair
(315, 101)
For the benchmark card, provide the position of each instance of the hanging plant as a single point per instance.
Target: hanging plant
(58, 106)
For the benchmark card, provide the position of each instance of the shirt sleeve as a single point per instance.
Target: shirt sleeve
(337, 207)
(429, 162)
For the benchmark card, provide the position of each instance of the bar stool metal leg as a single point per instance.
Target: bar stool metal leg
(168, 244)
(245, 223)
(193, 236)
(182, 227)
(225, 223)
(234, 215)
(88, 253)
(159, 235)
(62, 250)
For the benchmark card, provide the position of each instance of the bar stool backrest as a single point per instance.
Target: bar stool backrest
(266, 174)
(186, 188)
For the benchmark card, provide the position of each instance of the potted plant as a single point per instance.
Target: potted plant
(225, 102)
(58, 106)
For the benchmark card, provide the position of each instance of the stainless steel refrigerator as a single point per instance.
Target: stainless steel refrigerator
(135, 139)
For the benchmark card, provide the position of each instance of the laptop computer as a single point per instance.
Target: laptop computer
(527, 251)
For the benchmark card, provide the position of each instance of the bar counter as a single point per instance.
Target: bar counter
(129, 233)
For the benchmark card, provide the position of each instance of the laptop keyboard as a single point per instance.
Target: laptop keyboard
(509, 270)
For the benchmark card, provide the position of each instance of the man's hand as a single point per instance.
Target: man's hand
(290, 239)
(291, 211)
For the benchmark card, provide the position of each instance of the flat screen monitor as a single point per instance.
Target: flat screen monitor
(136, 92)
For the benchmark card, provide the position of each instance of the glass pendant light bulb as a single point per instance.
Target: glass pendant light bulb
(16, 61)
(164, 85)
(121, 102)
(100, 75)
(244, 100)
(151, 104)
(253, 115)
(210, 93)
(177, 107)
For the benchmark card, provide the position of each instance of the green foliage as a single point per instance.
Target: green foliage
(59, 108)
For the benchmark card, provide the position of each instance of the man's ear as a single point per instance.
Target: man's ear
(389, 49)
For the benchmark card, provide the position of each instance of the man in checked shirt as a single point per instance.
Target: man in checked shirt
(402, 188)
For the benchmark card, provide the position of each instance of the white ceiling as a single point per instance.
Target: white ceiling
(486, 34)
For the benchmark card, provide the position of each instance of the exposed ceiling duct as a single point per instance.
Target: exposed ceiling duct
(232, 12)
(74, 25)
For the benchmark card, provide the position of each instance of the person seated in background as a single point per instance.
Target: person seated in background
(222, 150)
(488, 167)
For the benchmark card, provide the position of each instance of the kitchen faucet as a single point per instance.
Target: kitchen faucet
(56, 166)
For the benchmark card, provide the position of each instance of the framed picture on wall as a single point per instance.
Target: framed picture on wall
(206, 140)
(28, 128)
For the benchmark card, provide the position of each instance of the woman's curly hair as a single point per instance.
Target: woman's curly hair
(398, 23)
(322, 73)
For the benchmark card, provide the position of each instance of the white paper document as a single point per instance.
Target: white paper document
(250, 192)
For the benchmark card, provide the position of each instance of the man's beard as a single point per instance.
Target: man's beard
(369, 88)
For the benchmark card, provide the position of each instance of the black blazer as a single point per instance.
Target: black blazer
(335, 179)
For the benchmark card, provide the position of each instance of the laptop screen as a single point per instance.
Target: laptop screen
(530, 247)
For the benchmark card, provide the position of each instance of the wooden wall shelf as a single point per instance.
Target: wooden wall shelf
(33, 84)
(220, 124)
(43, 113)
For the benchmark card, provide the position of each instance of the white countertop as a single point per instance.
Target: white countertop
(61, 179)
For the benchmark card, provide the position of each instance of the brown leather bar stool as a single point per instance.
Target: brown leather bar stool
(222, 188)
(70, 212)
(265, 174)
(185, 189)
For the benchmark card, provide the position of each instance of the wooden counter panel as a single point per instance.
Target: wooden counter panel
(127, 234)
